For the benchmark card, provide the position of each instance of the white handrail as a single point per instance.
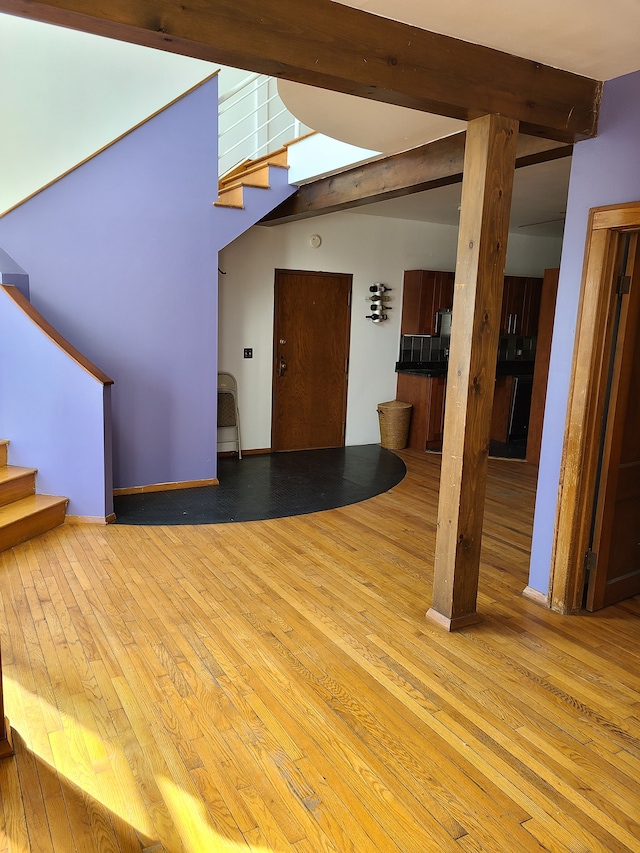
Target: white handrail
(264, 122)
(264, 103)
(257, 129)
(237, 88)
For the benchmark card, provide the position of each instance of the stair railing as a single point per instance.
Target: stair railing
(253, 122)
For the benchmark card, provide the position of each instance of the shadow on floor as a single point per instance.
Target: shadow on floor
(271, 485)
(516, 449)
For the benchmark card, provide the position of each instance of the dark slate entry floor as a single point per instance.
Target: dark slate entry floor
(272, 485)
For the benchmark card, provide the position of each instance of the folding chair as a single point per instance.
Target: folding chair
(228, 415)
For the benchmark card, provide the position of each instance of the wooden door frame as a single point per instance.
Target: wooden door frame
(274, 369)
(585, 411)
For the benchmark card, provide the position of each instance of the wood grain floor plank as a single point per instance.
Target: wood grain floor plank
(16, 834)
(581, 762)
(350, 803)
(365, 776)
(33, 800)
(332, 671)
(146, 766)
(542, 798)
(275, 686)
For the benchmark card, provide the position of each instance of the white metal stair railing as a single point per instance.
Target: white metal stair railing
(253, 121)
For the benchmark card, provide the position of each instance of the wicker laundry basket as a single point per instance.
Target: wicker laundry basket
(394, 418)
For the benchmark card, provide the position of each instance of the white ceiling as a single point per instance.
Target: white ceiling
(591, 37)
(537, 208)
(596, 38)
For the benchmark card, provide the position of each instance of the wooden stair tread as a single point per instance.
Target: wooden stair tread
(231, 188)
(251, 173)
(230, 197)
(23, 513)
(256, 175)
(274, 158)
(16, 482)
(28, 506)
(14, 472)
(258, 178)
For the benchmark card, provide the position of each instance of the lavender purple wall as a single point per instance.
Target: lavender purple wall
(53, 412)
(604, 170)
(12, 273)
(123, 262)
(122, 255)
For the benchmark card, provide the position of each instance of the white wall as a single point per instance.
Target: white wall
(65, 95)
(372, 249)
(316, 154)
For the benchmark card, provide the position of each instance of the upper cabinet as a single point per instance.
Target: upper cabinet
(425, 293)
(520, 306)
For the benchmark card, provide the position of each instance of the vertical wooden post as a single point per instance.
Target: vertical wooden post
(6, 747)
(489, 166)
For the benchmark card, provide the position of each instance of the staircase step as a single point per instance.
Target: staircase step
(231, 197)
(16, 483)
(257, 177)
(4, 448)
(275, 158)
(29, 517)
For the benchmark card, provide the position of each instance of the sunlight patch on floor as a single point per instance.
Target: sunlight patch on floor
(190, 819)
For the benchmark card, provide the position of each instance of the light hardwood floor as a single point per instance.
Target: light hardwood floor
(274, 686)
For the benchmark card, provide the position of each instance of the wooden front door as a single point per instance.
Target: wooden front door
(615, 548)
(311, 349)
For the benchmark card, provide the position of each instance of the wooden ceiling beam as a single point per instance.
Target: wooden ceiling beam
(331, 46)
(436, 164)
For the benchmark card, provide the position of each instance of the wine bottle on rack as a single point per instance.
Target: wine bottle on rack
(377, 318)
(379, 288)
(378, 297)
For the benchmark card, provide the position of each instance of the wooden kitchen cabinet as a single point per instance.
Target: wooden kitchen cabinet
(425, 293)
(426, 395)
(428, 291)
(531, 315)
(520, 305)
(543, 356)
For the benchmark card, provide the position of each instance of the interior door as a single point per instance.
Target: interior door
(615, 550)
(311, 348)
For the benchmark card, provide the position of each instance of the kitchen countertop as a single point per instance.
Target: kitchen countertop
(439, 368)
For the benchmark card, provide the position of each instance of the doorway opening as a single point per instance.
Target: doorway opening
(596, 559)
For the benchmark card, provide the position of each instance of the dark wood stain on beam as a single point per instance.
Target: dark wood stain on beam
(435, 164)
(482, 248)
(335, 47)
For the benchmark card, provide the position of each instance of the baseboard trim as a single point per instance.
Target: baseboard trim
(536, 596)
(166, 487)
(254, 452)
(90, 519)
